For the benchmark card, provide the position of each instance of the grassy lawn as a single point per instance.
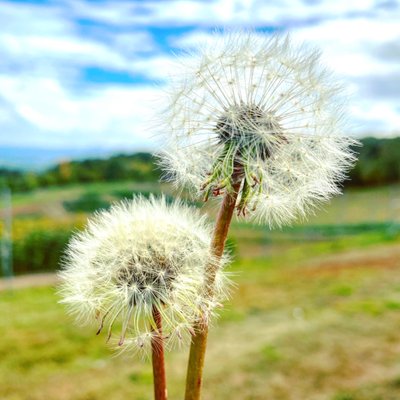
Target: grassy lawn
(74, 190)
(360, 205)
(315, 315)
(52, 202)
(316, 319)
(355, 206)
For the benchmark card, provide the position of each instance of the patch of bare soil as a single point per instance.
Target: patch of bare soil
(24, 281)
(387, 256)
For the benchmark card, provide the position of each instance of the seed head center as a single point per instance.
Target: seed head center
(248, 127)
(154, 279)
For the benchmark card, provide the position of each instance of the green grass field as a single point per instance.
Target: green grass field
(313, 320)
(355, 206)
(315, 316)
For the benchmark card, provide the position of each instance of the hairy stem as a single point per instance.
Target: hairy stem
(157, 350)
(199, 342)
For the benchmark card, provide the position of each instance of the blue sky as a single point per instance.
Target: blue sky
(86, 74)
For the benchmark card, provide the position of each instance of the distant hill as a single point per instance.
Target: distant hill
(378, 164)
(37, 159)
(138, 167)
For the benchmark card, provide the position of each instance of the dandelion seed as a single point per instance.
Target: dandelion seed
(258, 111)
(140, 259)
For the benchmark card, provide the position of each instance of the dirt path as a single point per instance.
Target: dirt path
(383, 256)
(24, 281)
(380, 256)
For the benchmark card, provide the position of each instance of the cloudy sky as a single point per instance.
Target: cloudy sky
(84, 74)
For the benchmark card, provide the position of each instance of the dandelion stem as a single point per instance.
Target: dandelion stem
(199, 342)
(157, 349)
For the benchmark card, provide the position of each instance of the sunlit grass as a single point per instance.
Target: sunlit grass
(314, 320)
(381, 204)
(315, 314)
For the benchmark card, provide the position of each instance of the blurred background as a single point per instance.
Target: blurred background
(316, 314)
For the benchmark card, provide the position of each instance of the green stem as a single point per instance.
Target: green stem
(157, 350)
(199, 342)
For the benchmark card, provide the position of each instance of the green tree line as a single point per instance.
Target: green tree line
(139, 167)
(378, 164)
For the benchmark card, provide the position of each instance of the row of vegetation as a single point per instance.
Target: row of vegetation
(378, 164)
(139, 167)
(39, 243)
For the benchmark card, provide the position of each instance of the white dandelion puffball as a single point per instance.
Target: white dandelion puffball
(255, 109)
(140, 256)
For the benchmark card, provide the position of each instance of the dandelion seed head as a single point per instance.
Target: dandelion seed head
(257, 109)
(139, 256)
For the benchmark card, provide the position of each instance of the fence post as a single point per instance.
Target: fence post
(6, 237)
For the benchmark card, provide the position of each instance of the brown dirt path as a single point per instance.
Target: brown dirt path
(383, 256)
(32, 280)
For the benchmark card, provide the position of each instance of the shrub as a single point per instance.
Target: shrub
(88, 202)
(39, 251)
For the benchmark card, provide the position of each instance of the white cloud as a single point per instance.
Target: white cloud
(44, 101)
(217, 12)
(350, 48)
(45, 35)
(19, 19)
(353, 49)
(376, 117)
(156, 67)
(113, 116)
(48, 49)
(348, 44)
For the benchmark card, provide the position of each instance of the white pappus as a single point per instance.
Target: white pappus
(139, 256)
(256, 109)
